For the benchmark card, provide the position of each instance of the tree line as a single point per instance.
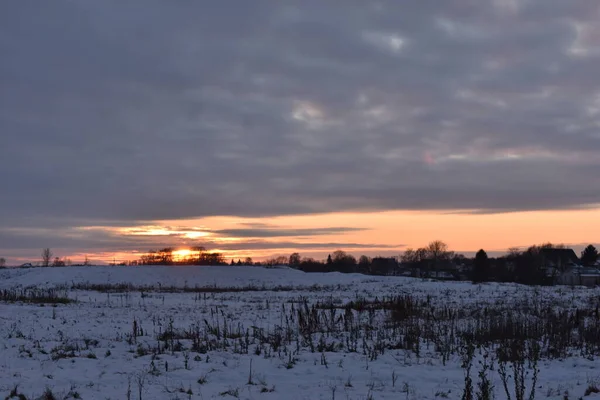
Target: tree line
(434, 260)
(525, 266)
(165, 256)
(49, 260)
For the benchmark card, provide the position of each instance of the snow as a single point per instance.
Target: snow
(99, 326)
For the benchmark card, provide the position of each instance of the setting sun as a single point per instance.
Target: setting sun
(181, 254)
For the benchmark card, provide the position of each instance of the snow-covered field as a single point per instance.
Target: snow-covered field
(257, 333)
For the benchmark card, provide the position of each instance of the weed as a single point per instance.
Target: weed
(592, 388)
(231, 392)
(48, 395)
(34, 295)
(14, 394)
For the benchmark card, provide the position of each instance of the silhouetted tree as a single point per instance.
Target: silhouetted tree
(294, 260)
(248, 261)
(437, 254)
(460, 259)
(166, 256)
(384, 266)
(279, 260)
(329, 260)
(213, 259)
(513, 252)
(535, 249)
(408, 257)
(364, 264)
(339, 256)
(415, 259)
(46, 257)
(428, 259)
(58, 262)
(343, 262)
(505, 267)
(2, 262)
(481, 269)
(527, 269)
(198, 251)
(152, 258)
(589, 255)
(309, 264)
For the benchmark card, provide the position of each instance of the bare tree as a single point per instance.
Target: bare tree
(46, 257)
(429, 258)
(199, 250)
(438, 250)
(279, 260)
(2, 262)
(364, 260)
(58, 262)
(343, 261)
(294, 260)
(166, 255)
(409, 256)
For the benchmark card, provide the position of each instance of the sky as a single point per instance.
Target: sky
(261, 128)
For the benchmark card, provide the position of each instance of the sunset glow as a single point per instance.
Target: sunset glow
(376, 233)
(182, 254)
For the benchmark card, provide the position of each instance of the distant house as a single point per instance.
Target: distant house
(446, 275)
(580, 276)
(558, 259)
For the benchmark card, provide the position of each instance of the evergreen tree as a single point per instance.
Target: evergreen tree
(589, 255)
(481, 269)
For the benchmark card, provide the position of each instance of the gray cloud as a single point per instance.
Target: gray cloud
(284, 232)
(114, 113)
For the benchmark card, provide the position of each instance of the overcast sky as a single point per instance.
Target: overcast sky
(121, 113)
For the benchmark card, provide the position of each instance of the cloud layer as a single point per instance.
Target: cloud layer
(116, 113)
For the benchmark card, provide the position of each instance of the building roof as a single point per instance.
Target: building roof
(562, 255)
